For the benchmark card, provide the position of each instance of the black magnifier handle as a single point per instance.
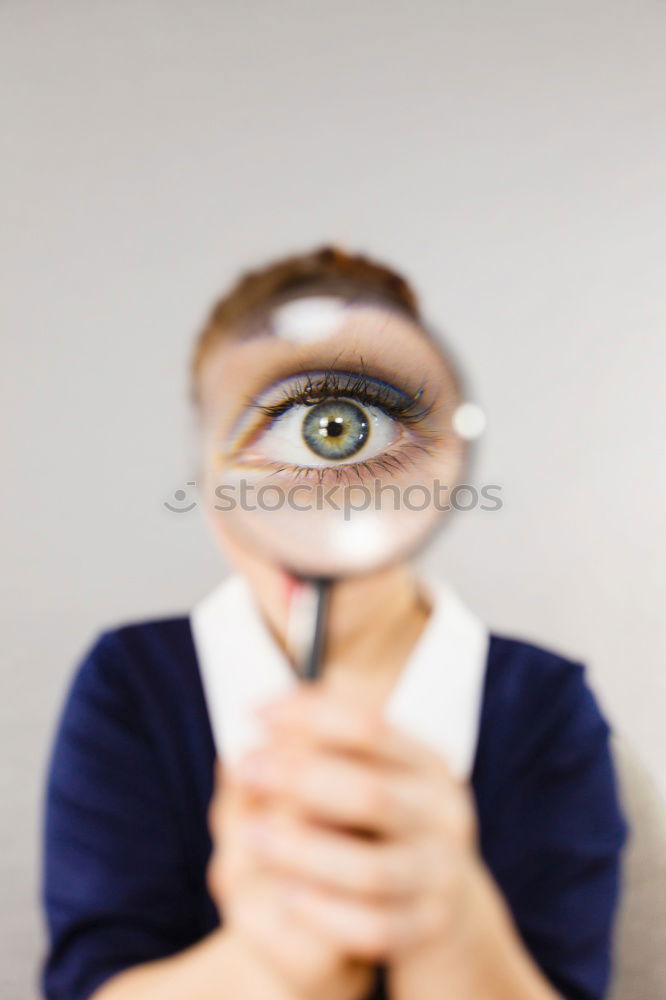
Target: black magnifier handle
(314, 659)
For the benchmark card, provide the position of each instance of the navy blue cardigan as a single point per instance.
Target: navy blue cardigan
(126, 841)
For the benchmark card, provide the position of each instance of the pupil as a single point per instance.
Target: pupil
(336, 429)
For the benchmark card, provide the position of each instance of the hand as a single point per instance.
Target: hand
(378, 841)
(297, 963)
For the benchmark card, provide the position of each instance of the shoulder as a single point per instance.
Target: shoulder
(138, 680)
(138, 654)
(532, 685)
(151, 640)
(515, 662)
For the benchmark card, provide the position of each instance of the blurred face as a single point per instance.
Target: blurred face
(316, 405)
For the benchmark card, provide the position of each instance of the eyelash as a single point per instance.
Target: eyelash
(351, 385)
(351, 472)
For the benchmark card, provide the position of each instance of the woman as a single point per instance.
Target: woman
(438, 818)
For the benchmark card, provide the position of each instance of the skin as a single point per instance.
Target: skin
(340, 842)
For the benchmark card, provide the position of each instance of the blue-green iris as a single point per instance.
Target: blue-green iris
(336, 429)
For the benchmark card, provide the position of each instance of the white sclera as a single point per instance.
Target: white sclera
(308, 319)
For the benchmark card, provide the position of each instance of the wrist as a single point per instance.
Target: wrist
(478, 953)
(253, 975)
(260, 975)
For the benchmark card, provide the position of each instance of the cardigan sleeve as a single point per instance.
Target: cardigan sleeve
(116, 888)
(555, 831)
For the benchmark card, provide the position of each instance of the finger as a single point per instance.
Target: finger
(338, 861)
(333, 722)
(338, 790)
(374, 932)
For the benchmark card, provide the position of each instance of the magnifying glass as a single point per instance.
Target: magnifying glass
(376, 464)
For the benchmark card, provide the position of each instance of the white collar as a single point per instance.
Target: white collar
(437, 697)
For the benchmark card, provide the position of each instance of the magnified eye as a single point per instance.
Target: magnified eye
(336, 430)
(326, 419)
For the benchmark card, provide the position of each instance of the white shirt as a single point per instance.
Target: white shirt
(437, 697)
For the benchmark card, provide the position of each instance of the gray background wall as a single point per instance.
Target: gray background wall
(510, 156)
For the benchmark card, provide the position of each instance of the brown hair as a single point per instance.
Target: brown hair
(329, 268)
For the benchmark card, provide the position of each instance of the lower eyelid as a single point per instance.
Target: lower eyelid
(390, 463)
